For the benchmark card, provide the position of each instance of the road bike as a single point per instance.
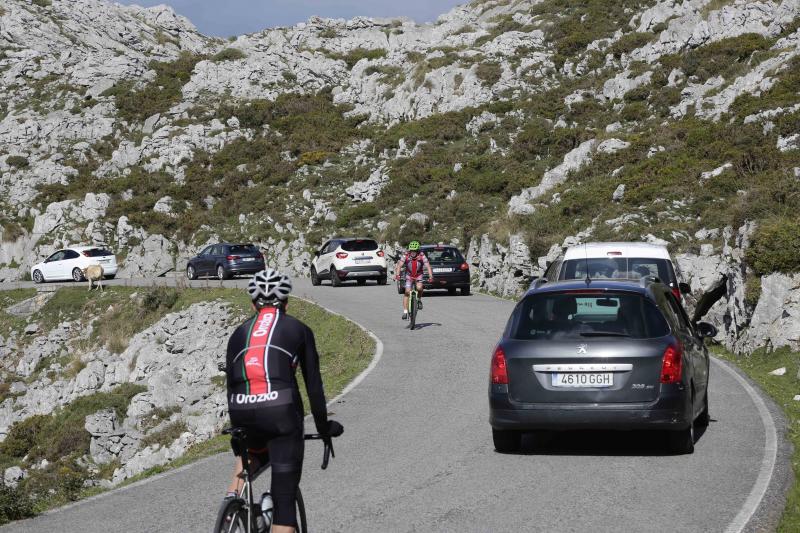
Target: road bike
(241, 513)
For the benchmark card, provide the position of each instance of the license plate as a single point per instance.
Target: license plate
(362, 259)
(440, 270)
(248, 259)
(583, 379)
(105, 260)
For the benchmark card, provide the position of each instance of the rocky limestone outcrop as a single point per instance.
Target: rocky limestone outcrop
(505, 270)
(175, 359)
(775, 322)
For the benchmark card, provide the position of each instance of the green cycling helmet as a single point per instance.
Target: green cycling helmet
(413, 246)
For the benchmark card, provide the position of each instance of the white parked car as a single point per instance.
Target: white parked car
(617, 260)
(347, 259)
(70, 262)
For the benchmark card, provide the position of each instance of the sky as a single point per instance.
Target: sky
(224, 18)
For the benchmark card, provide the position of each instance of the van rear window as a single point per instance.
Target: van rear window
(616, 268)
(443, 255)
(581, 315)
(360, 245)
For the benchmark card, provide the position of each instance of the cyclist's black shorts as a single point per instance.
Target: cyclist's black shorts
(277, 437)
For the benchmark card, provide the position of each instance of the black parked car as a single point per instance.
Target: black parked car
(225, 260)
(600, 354)
(450, 270)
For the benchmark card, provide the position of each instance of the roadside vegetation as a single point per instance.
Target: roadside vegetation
(53, 448)
(782, 390)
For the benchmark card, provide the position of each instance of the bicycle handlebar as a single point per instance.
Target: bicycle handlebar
(327, 453)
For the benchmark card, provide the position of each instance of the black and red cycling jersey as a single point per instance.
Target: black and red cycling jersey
(414, 266)
(263, 355)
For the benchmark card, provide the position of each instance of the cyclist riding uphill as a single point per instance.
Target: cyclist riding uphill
(413, 261)
(263, 396)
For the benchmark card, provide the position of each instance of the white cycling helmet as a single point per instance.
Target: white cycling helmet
(269, 285)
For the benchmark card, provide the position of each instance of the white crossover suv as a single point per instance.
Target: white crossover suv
(348, 259)
(70, 262)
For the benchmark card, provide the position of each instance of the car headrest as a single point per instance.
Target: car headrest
(565, 306)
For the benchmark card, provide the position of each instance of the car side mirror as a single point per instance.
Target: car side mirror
(706, 330)
(684, 288)
(316, 254)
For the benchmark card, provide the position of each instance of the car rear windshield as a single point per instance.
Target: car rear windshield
(443, 255)
(616, 268)
(97, 252)
(581, 315)
(360, 245)
(243, 249)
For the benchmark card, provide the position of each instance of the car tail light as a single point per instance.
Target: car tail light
(677, 292)
(464, 266)
(341, 255)
(232, 257)
(672, 366)
(380, 253)
(499, 372)
(85, 254)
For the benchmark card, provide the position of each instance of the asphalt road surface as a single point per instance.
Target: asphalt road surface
(417, 452)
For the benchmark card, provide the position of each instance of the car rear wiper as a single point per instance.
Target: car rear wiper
(603, 334)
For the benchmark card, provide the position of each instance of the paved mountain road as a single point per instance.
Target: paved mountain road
(417, 452)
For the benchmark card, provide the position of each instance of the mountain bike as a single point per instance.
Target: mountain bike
(413, 305)
(241, 514)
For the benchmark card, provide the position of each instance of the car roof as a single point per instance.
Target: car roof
(434, 246)
(601, 284)
(348, 239)
(595, 250)
(82, 248)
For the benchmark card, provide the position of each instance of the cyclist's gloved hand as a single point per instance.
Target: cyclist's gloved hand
(334, 428)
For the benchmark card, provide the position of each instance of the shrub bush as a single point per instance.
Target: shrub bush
(158, 298)
(17, 161)
(228, 54)
(14, 505)
(489, 72)
(776, 246)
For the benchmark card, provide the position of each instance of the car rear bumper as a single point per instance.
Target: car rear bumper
(668, 412)
(361, 272)
(246, 268)
(454, 280)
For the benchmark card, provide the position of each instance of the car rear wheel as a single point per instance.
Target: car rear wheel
(506, 441)
(400, 288)
(451, 291)
(221, 274)
(362, 282)
(77, 274)
(335, 279)
(110, 276)
(191, 273)
(315, 281)
(465, 291)
(383, 281)
(37, 277)
(682, 441)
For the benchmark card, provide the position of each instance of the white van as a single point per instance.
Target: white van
(617, 260)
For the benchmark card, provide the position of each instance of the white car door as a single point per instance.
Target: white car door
(326, 257)
(72, 260)
(51, 264)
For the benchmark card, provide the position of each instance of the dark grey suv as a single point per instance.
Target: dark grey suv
(225, 260)
(600, 355)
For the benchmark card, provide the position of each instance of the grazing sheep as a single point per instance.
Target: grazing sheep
(94, 273)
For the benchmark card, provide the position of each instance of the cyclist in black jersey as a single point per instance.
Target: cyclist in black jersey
(263, 396)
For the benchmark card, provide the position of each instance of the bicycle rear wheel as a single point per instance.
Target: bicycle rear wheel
(412, 310)
(232, 517)
(302, 527)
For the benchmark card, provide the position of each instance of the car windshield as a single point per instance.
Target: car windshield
(97, 252)
(616, 268)
(243, 249)
(360, 245)
(443, 255)
(582, 314)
